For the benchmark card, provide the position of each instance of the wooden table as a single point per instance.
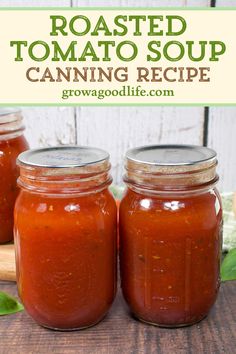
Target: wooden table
(120, 333)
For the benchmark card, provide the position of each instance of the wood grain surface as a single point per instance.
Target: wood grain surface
(120, 333)
(7, 262)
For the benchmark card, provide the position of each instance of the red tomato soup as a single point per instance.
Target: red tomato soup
(65, 235)
(170, 232)
(12, 143)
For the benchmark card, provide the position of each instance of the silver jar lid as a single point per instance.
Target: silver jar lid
(172, 166)
(171, 155)
(66, 156)
(4, 111)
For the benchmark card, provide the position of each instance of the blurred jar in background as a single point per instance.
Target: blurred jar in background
(12, 143)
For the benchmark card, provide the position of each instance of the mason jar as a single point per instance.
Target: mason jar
(171, 233)
(65, 236)
(12, 143)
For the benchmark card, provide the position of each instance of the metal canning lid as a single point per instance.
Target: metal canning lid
(171, 155)
(10, 115)
(8, 110)
(170, 166)
(63, 157)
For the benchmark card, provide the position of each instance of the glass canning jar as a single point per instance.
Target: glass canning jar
(65, 236)
(170, 232)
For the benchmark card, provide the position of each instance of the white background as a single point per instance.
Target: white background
(118, 128)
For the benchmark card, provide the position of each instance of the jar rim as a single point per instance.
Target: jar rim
(170, 166)
(65, 169)
(11, 123)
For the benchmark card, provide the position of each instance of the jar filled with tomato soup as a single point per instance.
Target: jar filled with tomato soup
(65, 236)
(170, 231)
(12, 143)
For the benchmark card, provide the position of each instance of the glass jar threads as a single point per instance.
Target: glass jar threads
(65, 235)
(170, 231)
(12, 143)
